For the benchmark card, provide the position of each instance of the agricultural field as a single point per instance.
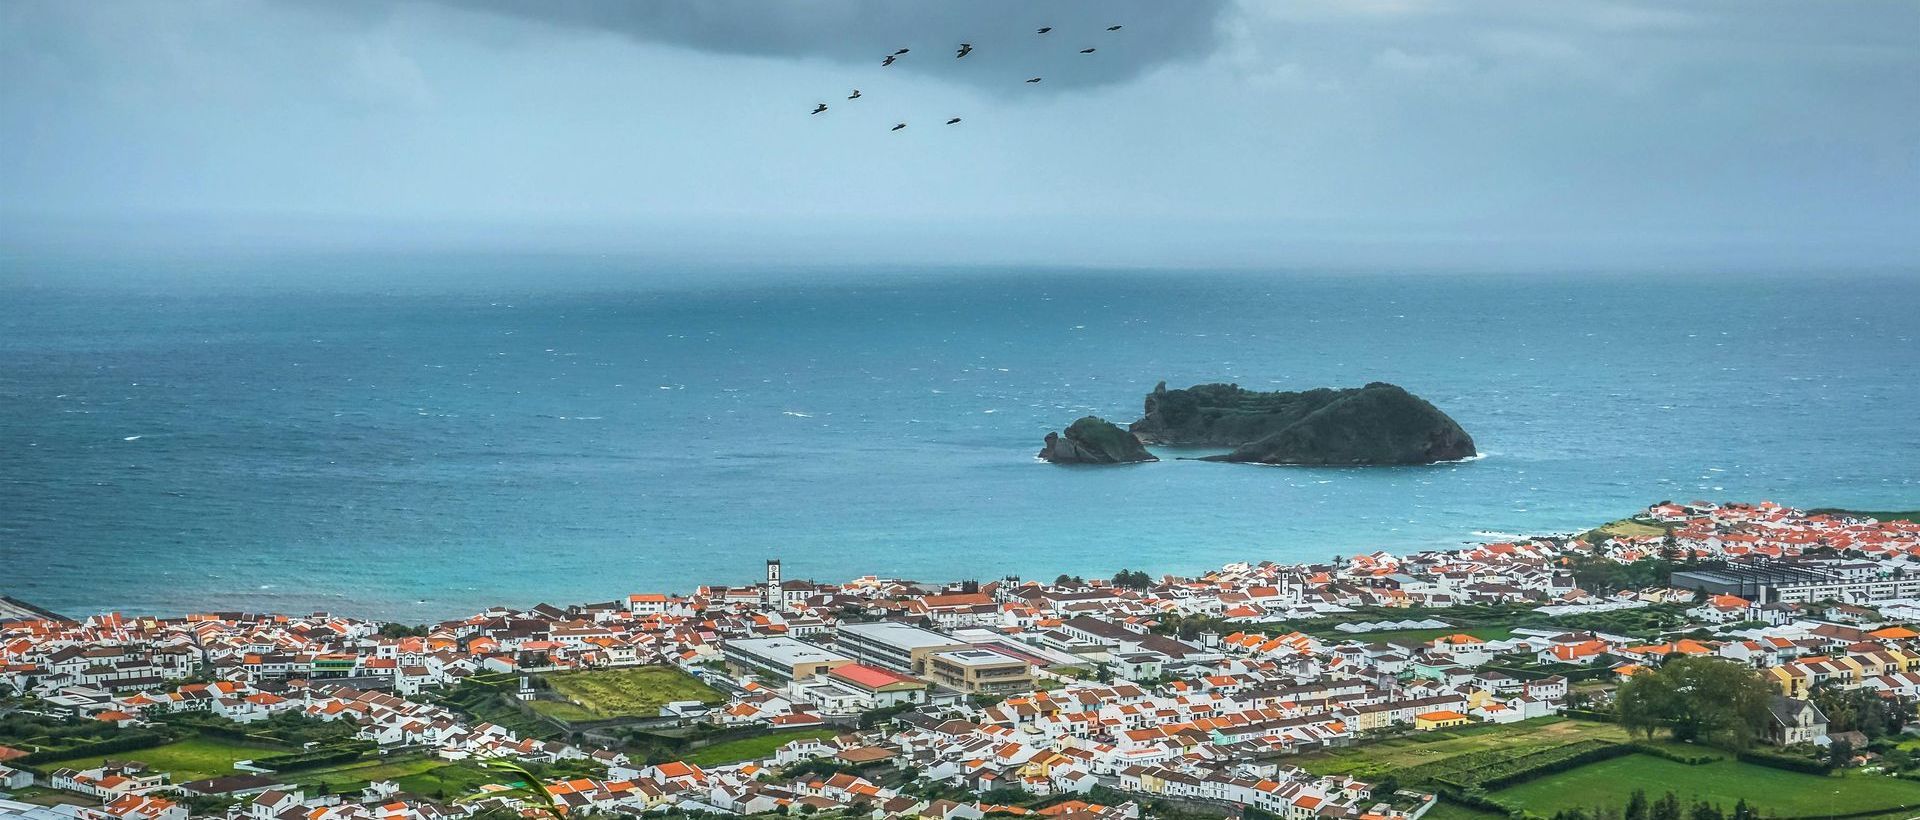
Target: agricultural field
(564, 710)
(753, 748)
(1373, 759)
(420, 774)
(450, 782)
(637, 691)
(1455, 811)
(1769, 790)
(193, 758)
(1634, 528)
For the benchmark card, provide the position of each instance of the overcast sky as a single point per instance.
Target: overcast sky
(1204, 132)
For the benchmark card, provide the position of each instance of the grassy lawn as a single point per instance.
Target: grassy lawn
(1370, 759)
(753, 748)
(1454, 811)
(451, 781)
(1629, 528)
(562, 710)
(637, 691)
(193, 758)
(1771, 791)
(40, 796)
(356, 775)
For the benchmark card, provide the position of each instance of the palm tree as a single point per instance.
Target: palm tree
(531, 788)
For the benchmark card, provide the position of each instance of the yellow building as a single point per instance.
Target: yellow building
(1429, 721)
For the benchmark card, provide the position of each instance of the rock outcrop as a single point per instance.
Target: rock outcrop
(1094, 440)
(1379, 424)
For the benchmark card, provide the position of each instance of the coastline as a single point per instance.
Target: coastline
(390, 612)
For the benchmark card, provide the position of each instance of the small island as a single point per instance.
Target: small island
(1094, 440)
(1379, 424)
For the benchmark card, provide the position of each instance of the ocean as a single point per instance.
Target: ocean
(424, 450)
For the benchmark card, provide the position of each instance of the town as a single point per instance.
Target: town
(1534, 676)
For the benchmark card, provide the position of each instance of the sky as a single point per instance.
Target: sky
(1202, 133)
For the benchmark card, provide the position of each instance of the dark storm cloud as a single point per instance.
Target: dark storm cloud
(1007, 49)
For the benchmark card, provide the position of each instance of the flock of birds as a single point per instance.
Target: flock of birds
(960, 53)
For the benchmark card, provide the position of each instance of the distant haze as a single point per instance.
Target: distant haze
(1217, 133)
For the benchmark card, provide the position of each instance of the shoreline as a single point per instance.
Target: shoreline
(455, 611)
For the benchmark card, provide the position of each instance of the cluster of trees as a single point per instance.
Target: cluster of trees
(1668, 807)
(1861, 710)
(1132, 579)
(1707, 700)
(18, 728)
(1596, 573)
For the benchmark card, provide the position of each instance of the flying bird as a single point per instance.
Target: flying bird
(889, 60)
(1044, 29)
(819, 108)
(855, 95)
(965, 49)
(953, 121)
(1087, 51)
(898, 127)
(901, 51)
(1113, 28)
(1034, 80)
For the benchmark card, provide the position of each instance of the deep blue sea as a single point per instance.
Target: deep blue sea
(423, 451)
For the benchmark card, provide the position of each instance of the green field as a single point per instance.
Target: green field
(563, 710)
(425, 776)
(193, 758)
(1455, 811)
(753, 748)
(1372, 759)
(1771, 791)
(637, 691)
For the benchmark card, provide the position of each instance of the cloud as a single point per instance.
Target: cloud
(861, 32)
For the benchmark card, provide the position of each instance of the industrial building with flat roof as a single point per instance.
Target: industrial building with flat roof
(894, 645)
(1796, 583)
(782, 659)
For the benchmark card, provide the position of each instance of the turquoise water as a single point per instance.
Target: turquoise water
(422, 453)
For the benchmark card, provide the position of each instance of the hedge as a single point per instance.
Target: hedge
(1493, 768)
(310, 760)
(1669, 754)
(124, 742)
(1559, 764)
(1866, 813)
(1475, 799)
(1589, 714)
(1790, 763)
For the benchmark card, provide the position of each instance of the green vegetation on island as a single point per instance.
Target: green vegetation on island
(1094, 440)
(1379, 424)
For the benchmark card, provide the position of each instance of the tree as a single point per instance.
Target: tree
(1643, 702)
(1636, 806)
(1698, 699)
(1861, 710)
(1666, 808)
(1132, 579)
(1706, 811)
(1840, 754)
